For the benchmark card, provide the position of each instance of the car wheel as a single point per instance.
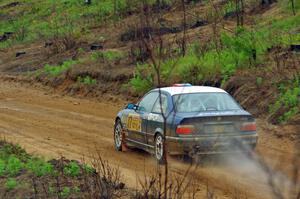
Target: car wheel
(159, 149)
(118, 135)
(187, 159)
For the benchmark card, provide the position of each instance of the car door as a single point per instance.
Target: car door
(137, 121)
(156, 119)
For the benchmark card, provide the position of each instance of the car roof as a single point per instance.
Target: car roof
(174, 90)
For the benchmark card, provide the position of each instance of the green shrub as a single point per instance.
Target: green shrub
(51, 190)
(289, 99)
(65, 192)
(14, 165)
(57, 70)
(88, 169)
(229, 7)
(5, 44)
(39, 167)
(244, 49)
(76, 189)
(287, 6)
(72, 169)
(259, 81)
(11, 183)
(48, 19)
(8, 149)
(107, 55)
(112, 55)
(237, 52)
(2, 168)
(87, 80)
(141, 83)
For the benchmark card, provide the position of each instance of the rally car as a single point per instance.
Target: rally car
(191, 120)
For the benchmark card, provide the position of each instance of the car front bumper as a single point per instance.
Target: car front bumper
(210, 144)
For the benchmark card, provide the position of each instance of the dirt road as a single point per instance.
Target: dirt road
(52, 125)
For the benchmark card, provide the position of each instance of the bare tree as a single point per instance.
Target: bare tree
(183, 47)
(293, 6)
(155, 49)
(239, 10)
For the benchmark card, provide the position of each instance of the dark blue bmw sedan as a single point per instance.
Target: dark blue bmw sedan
(191, 120)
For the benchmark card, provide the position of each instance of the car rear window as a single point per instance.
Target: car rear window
(199, 102)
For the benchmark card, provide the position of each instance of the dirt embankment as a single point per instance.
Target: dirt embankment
(52, 125)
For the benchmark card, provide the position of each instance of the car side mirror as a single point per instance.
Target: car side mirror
(132, 106)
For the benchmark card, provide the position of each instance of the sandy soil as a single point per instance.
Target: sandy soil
(52, 125)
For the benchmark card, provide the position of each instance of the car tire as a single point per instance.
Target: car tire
(159, 149)
(187, 159)
(118, 137)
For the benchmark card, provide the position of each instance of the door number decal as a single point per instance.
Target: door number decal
(134, 122)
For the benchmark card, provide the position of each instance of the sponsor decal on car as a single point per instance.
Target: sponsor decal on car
(155, 117)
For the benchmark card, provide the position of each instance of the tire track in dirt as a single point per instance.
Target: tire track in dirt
(53, 126)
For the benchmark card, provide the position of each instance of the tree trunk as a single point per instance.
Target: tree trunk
(242, 12)
(293, 6)
(183, 47)
(237, 12)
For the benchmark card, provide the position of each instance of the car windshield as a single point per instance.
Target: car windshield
(199, 102)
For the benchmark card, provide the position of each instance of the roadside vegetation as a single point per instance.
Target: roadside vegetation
(35, 20)
(287, 104)
(87, 80)
(244, 49)
(26, 176)
(59, 69)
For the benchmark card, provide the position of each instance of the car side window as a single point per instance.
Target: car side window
(146, 104)
(161, 104)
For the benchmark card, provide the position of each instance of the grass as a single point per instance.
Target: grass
(65, 192)
(107, 56)
(288, 100)
(23, 175)
(13, 160)
(39, 167)
(59, 69)
(88, 169)
(51, 190)
(86, 80)
(237, 52)
(2, 167)
(11, 184)
(72, 169)
(259, 81)
(35, 20)
(246, 48)
(229, 7)
(13, 166)
(140, 83)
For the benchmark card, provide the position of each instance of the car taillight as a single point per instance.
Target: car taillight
(248, 126)
(185, 129)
